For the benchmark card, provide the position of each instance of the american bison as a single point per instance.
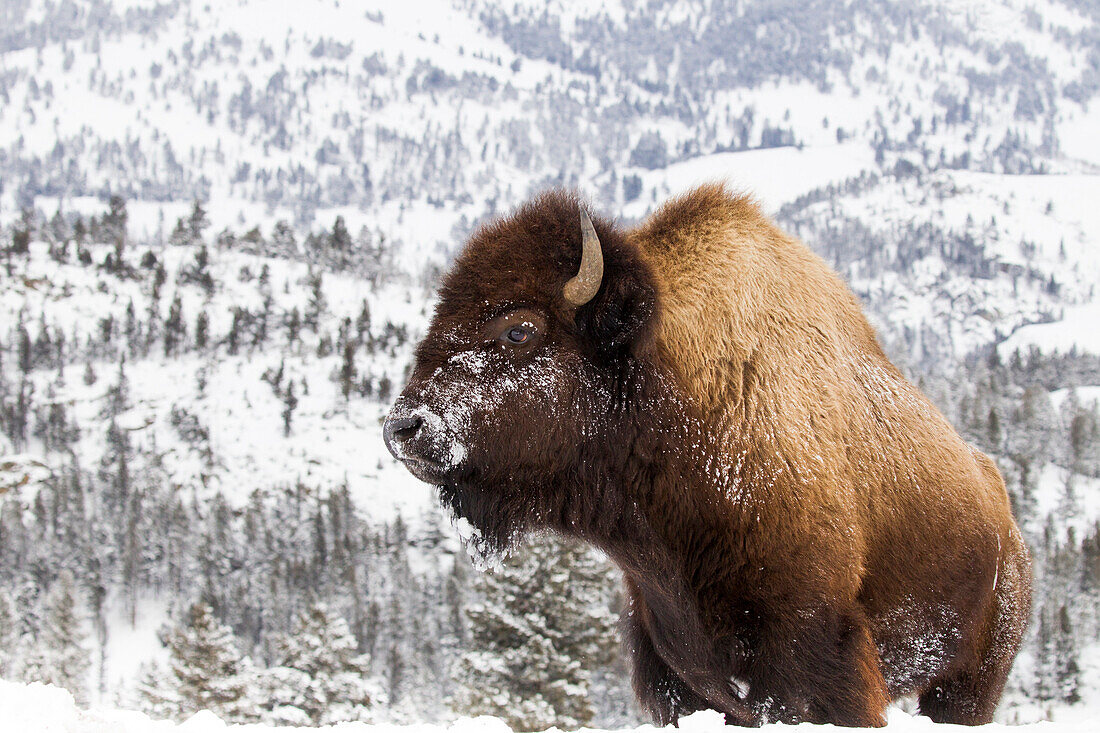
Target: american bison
(802, 535)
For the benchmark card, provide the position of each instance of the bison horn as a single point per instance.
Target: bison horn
(583, 286)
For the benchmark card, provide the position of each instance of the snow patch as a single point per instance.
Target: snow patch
(38, 708)
(1085, 396)
(766, 174)
(1076, 329)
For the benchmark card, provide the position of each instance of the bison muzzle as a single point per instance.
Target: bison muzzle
(802, 535)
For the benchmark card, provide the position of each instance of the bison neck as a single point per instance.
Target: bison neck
(671, 511)
(666, 518)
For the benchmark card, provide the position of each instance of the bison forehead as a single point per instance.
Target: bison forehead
(526, 257)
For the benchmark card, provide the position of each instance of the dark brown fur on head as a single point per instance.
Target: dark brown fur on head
(532, 413)
(802, 535)
(528, 257)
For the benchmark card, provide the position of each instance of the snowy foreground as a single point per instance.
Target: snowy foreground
(38, 708)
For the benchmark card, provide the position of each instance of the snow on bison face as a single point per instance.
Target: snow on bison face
(513, 382)
(488, 417)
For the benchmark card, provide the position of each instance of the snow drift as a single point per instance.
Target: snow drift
(38, 708)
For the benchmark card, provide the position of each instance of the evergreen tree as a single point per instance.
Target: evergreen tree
(43, 346)
(157, 692)
(362, 323)
(89, 374)
(20, 241)
(59, 656)
(118, 395)
(206, 670)
(385, 388)
(10, 637)
(340, 243)
(198, 271)
(1067, 669)
(347, 370)
(994, 427)
(175, 331)
(26, 350)
(254, 238)
(202, 331)
(283, 241)
(324, 345)
(233, 338)
(80, 231)
(317, 303)
(321, 678)
(293, 325)
(544, 625)
(131, 328)
(1044, 685)
(114, 226)
(197, 223)
(290, 402)
(259, 337)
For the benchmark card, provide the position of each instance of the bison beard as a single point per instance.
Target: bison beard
(487, 532)
(802, 535)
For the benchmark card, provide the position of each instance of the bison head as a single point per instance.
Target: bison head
(527, 367)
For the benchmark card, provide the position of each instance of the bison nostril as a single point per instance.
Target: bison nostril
(398, 430)
(406, 427)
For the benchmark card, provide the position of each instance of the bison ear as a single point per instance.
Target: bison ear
(621, 315)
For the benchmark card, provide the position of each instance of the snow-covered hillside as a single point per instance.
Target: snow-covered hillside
(423, 119)
(240, 413)
(375, 109)
(190, 407)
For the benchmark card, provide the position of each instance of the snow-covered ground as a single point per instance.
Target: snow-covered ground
(1079, 328)
(38, 708)
(765, 174)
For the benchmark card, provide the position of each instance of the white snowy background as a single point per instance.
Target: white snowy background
(944, 156)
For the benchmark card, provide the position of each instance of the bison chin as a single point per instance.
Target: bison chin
(489, 525)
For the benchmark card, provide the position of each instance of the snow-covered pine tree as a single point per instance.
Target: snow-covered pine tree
(346, 376)
(156, 690)
(321, 678)
(59, 656)
(290, 402)
(197, 223)
(206, 671)
(543, 625)
(114, 224)
(180, 236)
(1044, 685)
(175, 330)
(1067, 670)
(10, 637)
(317, 304)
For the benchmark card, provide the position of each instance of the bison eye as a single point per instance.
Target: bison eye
(521, 329)
(517, 335)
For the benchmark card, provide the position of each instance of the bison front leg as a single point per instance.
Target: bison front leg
(657, 687)
(822, 668)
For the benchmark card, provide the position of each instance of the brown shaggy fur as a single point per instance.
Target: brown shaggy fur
(803, 537)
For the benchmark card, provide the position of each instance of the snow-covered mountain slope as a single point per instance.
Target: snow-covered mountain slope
(243, 446)
(38, 708)
(316, 104)
(987, 254)
(422, 119)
